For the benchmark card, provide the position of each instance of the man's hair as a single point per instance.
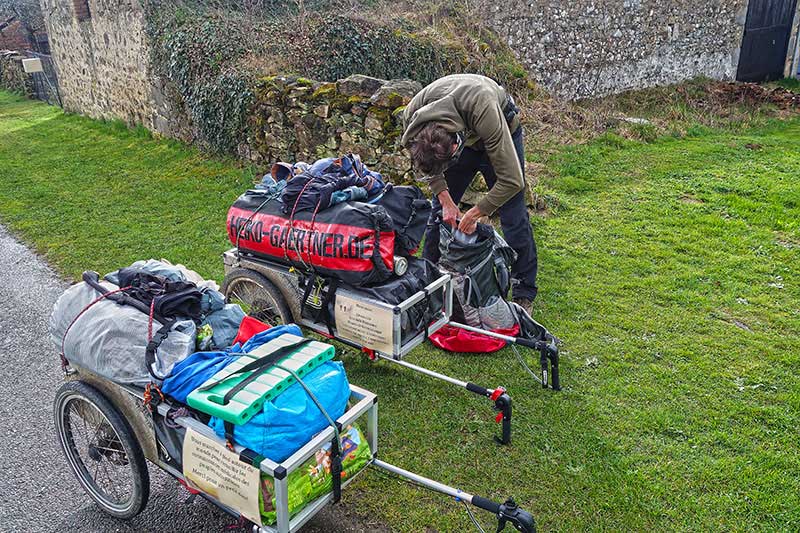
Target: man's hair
(432, 148)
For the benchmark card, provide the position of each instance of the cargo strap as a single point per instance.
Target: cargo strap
(323, 314)
(336, 447)
(93, 280)
(258, 367)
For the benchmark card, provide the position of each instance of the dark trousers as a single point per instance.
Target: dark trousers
(513, 216)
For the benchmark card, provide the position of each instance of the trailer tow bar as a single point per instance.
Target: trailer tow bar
(501, 399)
(548, 352)
(506, 513)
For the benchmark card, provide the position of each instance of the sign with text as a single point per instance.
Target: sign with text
(214, 469)
(363, 323)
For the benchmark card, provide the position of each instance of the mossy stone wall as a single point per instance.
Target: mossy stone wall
(297, 119)
(12, 76)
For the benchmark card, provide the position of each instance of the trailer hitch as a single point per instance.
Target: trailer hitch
(519, 518)
(507, 513)
(502, 404)
(548, 357)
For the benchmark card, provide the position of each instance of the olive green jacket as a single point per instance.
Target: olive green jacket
(471, 104)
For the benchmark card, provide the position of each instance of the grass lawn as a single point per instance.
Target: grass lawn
(670, 270)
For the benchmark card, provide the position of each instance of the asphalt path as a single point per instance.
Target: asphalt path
(38, 492)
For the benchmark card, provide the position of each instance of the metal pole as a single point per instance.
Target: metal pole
(422, 370)
(372, 428)
(282, 505)
(425, 482)
(484, 332)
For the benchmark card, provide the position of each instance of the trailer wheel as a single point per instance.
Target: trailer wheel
(101, 450)
(257, 296)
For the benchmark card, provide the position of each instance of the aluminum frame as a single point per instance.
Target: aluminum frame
(400, 349)
(366, 404)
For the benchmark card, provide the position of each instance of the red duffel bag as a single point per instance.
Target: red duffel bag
(352, 241)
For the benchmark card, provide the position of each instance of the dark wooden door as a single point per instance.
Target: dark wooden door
(766, 39)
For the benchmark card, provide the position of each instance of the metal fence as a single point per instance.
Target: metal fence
(45, 83)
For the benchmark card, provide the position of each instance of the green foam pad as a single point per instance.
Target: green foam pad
(248, 401)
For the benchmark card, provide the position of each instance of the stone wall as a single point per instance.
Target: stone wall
(296, 119)
(12, 76)
(593, 47)
(15, 36)
(102, 57)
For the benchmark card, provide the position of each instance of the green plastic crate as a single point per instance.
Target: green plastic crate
(248, 401)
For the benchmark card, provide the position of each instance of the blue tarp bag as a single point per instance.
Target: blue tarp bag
(192, 372)
(289, 421)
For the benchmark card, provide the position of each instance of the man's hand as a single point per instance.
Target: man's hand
(450, 212)
(469, 222)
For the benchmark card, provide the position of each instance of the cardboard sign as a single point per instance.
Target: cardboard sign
(31, 65)
(363, 323)
(212, 468)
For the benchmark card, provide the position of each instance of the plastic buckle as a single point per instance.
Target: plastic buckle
(499, 391)
(315, 296)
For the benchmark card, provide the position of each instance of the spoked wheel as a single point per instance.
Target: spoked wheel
(257, 296)
(101, 450)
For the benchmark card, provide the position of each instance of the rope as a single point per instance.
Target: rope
(64, 361)
(150, 320)
(250, 219)
(472, 517)
(524, 365)
(181, 412)
(315, 400)
(148, 396)
(291, 226)
(311, 231)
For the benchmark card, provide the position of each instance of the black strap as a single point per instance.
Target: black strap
(228, 431)
(259, 366)
(323, 314)
(309, 287)
(333, 284)
(426, 314)
(152, 347)
(93, 280)
(336, 469)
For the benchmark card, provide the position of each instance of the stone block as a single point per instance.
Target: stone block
(359, 85)
(322, 111)
(396, 93)
(372, 123)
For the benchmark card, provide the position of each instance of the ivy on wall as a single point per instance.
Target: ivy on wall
(212, 53)
(349, 46)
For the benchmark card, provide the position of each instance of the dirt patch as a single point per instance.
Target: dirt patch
(727, 93)
(689, 199)
(344, 518)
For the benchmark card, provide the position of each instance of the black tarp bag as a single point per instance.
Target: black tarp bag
(409, 210)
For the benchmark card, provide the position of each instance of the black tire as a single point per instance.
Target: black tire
(112, 445)
(257, 296)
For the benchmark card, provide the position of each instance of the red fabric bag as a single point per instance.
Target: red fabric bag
(249, 327)
(455, 339)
